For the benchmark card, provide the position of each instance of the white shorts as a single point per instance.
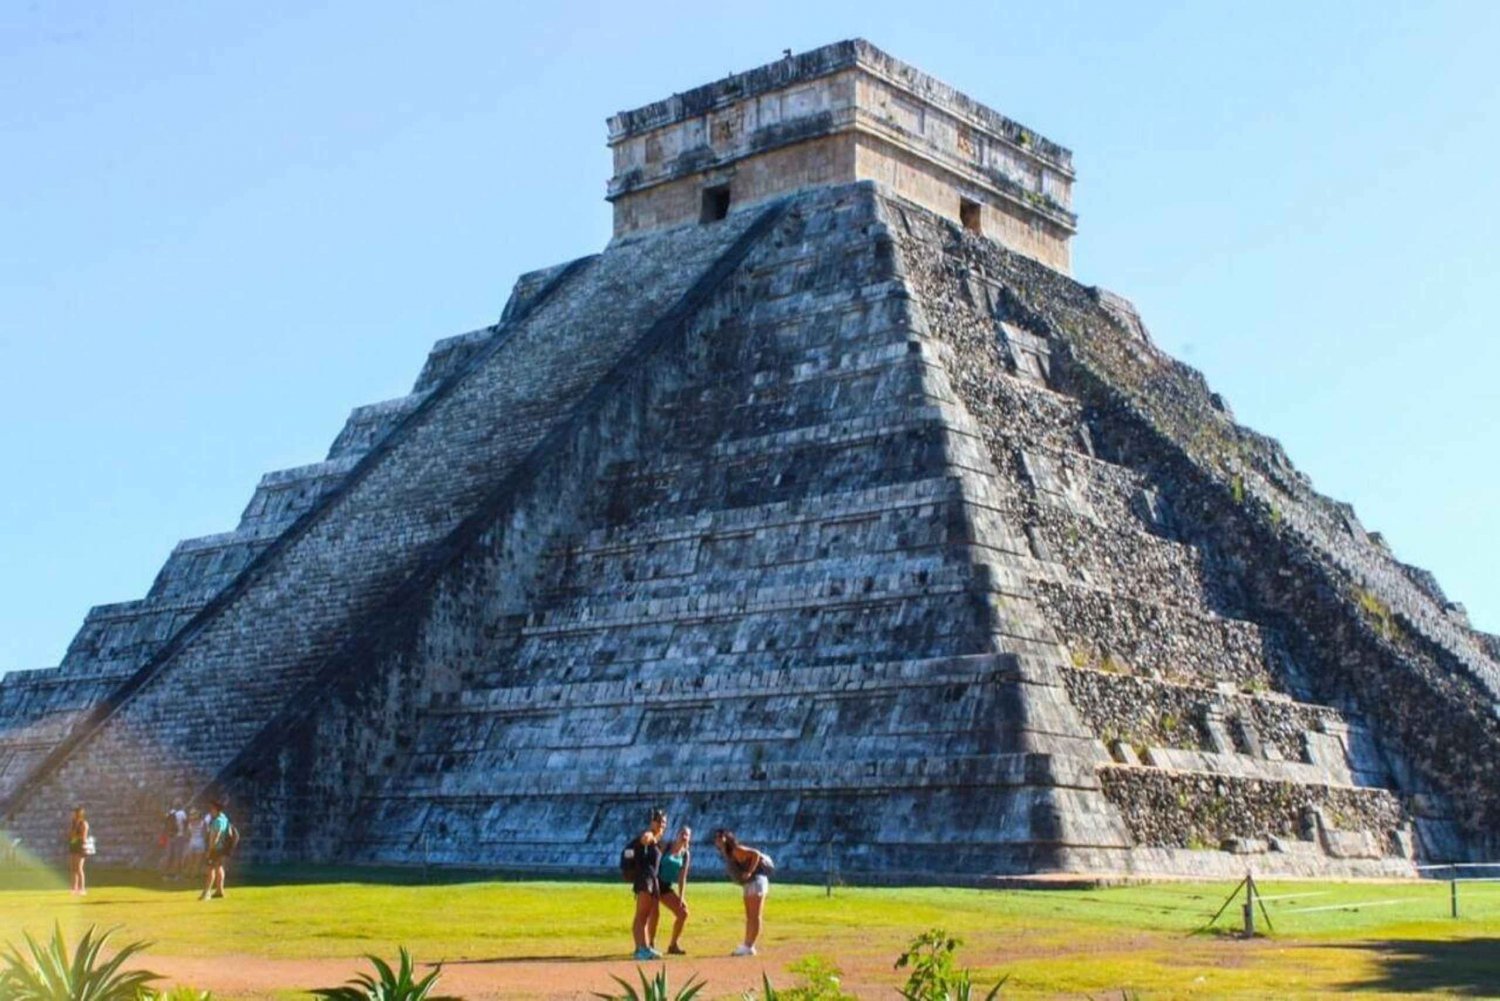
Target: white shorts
(758, 887)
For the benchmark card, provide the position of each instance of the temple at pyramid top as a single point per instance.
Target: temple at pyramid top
(844, 112)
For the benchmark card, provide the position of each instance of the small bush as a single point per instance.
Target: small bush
(820, 982)
(49, 973)
(387, 984)
(934, 975)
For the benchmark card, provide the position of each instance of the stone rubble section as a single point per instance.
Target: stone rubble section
(1376, 688)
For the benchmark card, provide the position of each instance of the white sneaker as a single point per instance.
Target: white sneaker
(744, 950)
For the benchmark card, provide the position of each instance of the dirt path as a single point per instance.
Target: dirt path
(475, 980)
(236, 977)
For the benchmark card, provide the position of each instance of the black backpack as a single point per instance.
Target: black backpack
(630, 859)
(230, 842)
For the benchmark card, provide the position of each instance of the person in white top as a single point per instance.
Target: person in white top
(177, 849)
(197, 844)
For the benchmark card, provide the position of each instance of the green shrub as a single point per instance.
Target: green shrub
(654, 989)
(48, 973)
(387, 984)
(820, 982)
(934, 975)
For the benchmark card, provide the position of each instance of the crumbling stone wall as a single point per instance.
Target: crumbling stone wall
(1279, 555)
(1143, 713)
(1205, 811)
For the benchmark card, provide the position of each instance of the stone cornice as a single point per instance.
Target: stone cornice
(825, 61)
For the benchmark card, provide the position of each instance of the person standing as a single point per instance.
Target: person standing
(80, 847)
(751, 869)
(647, 884)
(177, 850)
(217, 846)
(197, 843)
(672, 874)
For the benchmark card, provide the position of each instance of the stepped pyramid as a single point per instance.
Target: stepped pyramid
(823, 504)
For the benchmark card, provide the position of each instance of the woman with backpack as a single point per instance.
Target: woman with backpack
(751, 869)
(219, 838)
(645, 851)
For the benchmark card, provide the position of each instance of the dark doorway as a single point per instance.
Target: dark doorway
(715, 203)
(968, 214)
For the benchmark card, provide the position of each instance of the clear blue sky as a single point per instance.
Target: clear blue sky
(224, 225)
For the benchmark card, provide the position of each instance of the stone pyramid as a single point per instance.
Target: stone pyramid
(822, 504)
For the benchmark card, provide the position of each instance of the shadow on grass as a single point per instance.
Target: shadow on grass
(620, 957)
(38, 876)
(46, 876)
(1468, 968)
(251, 874)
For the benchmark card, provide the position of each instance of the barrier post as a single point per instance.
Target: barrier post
(1453, 892)
(1249, 906)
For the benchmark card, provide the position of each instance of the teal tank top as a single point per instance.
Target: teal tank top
(671, 868)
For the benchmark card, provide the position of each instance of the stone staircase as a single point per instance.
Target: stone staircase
(774, 613)
(201, 698)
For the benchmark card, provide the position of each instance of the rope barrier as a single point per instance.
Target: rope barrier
(1360, 905)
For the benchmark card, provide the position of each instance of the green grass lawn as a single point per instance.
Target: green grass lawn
(1327, 937)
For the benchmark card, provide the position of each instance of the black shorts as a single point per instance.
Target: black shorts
(647, 884)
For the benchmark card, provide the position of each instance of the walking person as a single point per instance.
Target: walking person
(672, 874)
(218, 843)
(751, 869)
(646, 883)
(80, 847)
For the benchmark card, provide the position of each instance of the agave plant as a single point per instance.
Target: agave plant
(654, 989)
(387, 984)
(48, 973)
(966, 988)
